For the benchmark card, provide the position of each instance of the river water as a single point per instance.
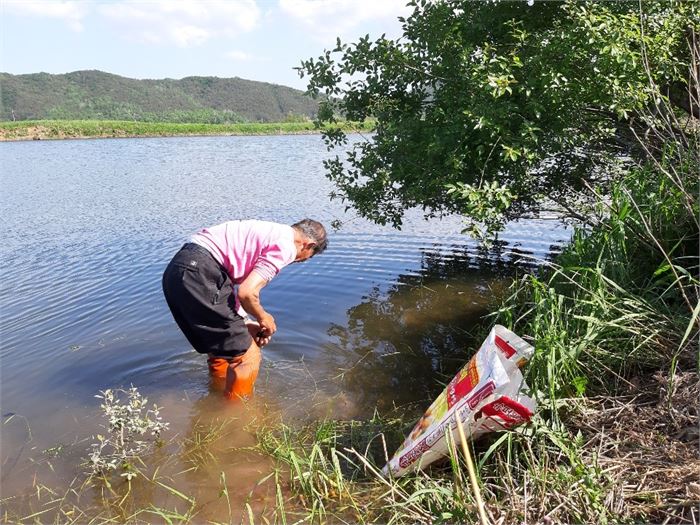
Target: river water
(88, 226)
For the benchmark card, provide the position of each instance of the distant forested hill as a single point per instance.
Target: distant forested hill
(99, 95)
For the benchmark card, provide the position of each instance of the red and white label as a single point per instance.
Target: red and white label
(511, 412)
(503, 345)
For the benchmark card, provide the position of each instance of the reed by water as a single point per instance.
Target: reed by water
(67, 129)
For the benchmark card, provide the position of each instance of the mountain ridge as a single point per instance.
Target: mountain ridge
(95, 95)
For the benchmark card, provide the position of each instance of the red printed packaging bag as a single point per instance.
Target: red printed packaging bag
(489, 394)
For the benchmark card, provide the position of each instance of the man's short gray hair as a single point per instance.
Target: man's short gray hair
(314, 231)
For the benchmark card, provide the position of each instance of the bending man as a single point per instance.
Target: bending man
(214, 282)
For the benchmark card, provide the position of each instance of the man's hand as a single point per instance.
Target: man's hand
(262, 341)
(249, 296)
(257, 334)
(267, 325)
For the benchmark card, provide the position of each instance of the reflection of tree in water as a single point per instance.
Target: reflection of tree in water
(401, 344)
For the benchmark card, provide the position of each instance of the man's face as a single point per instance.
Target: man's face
(305, 251)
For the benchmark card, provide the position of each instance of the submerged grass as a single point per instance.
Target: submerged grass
(65, 129)
(160, 488)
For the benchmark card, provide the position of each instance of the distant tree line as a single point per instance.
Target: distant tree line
(88, 95)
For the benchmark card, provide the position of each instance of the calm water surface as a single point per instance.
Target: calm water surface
(88, 227)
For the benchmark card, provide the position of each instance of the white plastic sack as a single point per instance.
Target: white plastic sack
(489, 394)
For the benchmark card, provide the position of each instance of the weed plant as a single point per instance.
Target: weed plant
(149, 489)
(132, 430)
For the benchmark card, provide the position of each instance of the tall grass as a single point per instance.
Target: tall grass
(618, 301)
(569, 487)
(60, 129)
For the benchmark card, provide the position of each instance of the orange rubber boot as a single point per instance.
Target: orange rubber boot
(218, 366)
(242, 373)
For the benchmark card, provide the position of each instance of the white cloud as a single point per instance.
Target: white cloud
(185, 23)
(326, 19)
(71, 12)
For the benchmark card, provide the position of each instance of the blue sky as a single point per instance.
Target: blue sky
(253, 39)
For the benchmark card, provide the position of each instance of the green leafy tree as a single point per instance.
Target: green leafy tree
(495, 109)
